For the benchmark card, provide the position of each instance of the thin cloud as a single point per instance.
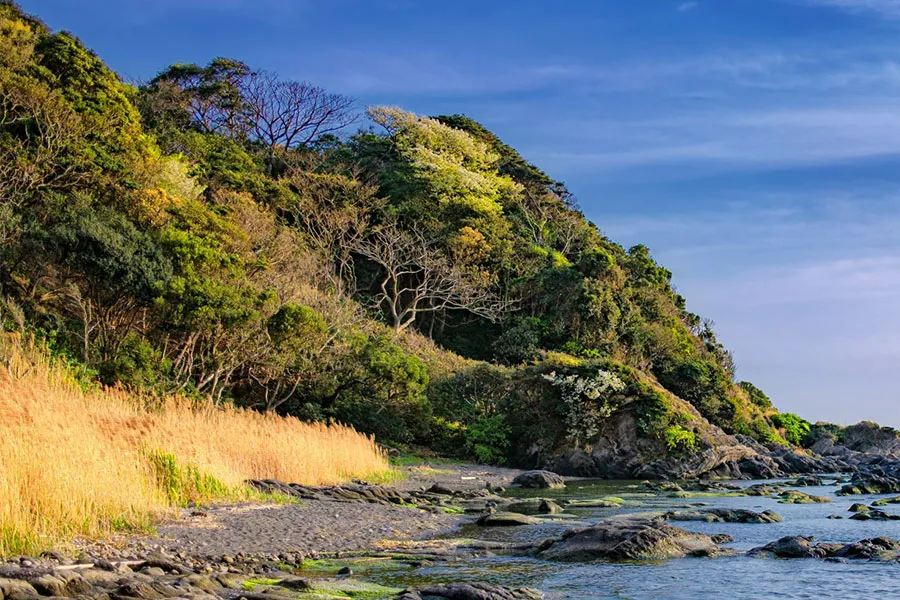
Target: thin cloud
(687, 6)
(884, 8)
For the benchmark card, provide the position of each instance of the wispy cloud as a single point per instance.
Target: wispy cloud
(803, 286)
(687, 6)
(885, 8)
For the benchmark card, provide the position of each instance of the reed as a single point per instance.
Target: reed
(82, 461)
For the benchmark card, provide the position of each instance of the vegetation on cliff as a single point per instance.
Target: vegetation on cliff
(223, 234)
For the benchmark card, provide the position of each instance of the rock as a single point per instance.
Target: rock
(441, 489)
(345, 572)
(598, 503)
(506, 519)
(795, 497)
(724, 515)
(14, 589)
(469, 591)
(792, 546)
(763, 489)
(48, 585)
(881, 548)
(873, 481)
(806, 481)
(857, 508)
(886, 501)
(549, 507)
(834, 517)
(539, 479)
(629, 538)
(875, 515)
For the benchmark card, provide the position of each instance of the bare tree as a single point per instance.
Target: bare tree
(292, 113)
(416, 277)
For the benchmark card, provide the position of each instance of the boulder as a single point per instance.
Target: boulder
(763, 489)
(549, 507)
(806, 481)
(881, 548)
(792, 546)
(469, 591)
(539, 479)
(14, 589)
(630, 538)
(795, 497)
(724, 515)
(858, 508)
(875, 515)
(506, 519)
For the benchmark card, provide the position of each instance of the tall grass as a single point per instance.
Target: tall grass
(85, 463)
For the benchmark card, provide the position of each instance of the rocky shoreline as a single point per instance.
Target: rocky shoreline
(309, 548)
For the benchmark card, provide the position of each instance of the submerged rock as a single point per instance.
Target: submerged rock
(881, 548)
(469, 591)
(631, 538)
(875, 515)
(539, 479)
(506, 519)
(795, 497)
(792, 546)
(763, 489)
(807, 481)
(724, 515)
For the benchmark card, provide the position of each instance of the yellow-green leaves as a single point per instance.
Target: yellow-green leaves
(456, 168)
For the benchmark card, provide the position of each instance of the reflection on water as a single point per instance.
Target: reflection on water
(739, 577)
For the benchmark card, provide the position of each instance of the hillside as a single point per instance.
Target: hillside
(223, 234)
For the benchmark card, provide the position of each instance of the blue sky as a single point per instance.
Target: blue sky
(753, 145)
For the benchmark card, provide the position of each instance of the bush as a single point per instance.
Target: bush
(680, 439)
(757, 396)
(520, 343)
(385, 392)
(488, 439)
(795, 428)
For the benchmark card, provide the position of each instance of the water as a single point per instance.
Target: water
(738, 577)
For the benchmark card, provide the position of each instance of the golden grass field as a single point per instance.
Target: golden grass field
(76, 463)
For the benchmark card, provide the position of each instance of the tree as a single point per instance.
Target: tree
(229, 98)
(211, 96)
(416, 277)
(288, 114)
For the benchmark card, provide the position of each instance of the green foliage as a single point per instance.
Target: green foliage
(679, 439)
(137, 364)
(795, 428)
(154, 236)
(520, 343)
(385, 393)
(587, 401)
(183, 484)
(757, 396)
(487, 439)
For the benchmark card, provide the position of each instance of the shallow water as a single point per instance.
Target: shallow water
(738, 577)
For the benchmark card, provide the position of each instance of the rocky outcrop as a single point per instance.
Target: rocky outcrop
(631, 538)
(539, 479)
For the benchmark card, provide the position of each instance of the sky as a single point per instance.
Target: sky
(753, 145)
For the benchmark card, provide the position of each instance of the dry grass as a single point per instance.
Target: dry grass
(77, 463)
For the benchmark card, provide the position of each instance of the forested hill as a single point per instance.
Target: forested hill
(221, 232)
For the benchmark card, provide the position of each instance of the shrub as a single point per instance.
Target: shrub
(680, 439)
(488, 439)
(795, 428)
